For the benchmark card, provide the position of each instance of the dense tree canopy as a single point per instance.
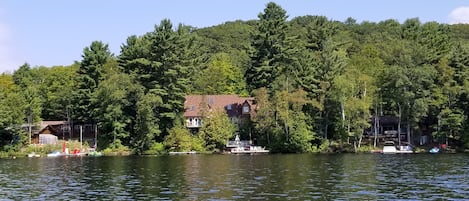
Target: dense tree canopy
(314, 79)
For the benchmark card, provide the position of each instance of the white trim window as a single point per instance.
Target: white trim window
(246, 109)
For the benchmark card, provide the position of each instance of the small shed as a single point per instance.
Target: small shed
(47, 139)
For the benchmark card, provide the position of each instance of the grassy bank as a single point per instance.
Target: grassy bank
(41, 149)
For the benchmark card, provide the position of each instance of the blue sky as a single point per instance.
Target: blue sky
(54, 32)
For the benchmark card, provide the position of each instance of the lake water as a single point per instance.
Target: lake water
(238, 177)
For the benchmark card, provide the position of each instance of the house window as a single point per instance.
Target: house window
(246, 109)
(192, 108)
(228, 107)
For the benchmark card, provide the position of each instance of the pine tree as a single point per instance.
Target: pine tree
(88, 79)
(269, 48)
(160, 60)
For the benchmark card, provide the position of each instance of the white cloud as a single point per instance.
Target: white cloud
(459, 15)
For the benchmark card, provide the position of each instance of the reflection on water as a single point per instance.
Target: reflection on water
(238, 177)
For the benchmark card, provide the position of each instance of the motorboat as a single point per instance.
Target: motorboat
(55, 154)
(33, 155)
(389, 148)
(244, 147)
(248, 150)
(181, 152)
(434, 150)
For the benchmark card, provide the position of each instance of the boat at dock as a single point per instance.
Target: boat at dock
(249, 150)
(181, 152)
(390, 148)
(56, 154)
(33, 155)
(434, 150)
(244, 147)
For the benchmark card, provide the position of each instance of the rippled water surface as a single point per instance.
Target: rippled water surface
(238, 177)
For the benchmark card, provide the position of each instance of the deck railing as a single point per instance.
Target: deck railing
(238, 143)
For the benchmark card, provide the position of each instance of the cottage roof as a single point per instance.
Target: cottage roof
(232, 104)
(43, 125)
(52, 123)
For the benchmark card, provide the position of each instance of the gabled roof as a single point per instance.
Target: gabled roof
(43, 125)
(51, 123)
(232, 104)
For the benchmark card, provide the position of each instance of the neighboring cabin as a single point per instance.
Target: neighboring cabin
(48, 132)
(238, 109)
(387, 130)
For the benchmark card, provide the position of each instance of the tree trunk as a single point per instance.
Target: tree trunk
(399, 124)
(268, 139)
(342, 107)
(326, 126)
(376, 126)
(348, 132)
(360, 141)
(408, 133)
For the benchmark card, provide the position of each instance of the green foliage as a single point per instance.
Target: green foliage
(326, 146)
(268, 47)
(116, 148)
(159, 61)
(29, 82)
(216, 130)
(365, 149)
(264, 120)
(280, 123)
(115, 100)
(89, 75)
(450, 124)
(220, 77)
(231, 38)
(180, 139)
(56, 91)
(155, 149)
(293, 134)
(12, 107)
(313, 79)
(146, 126)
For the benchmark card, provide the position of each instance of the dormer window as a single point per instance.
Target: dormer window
(192, 108)
(228, 107)
(246, 109)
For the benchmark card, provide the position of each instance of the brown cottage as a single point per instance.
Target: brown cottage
(49, 128)
(44, 131)
(237, 108)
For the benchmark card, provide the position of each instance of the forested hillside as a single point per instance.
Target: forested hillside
(316, 82)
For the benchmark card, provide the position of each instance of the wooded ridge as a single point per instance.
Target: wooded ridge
(317, 82)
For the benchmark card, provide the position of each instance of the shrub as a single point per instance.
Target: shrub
(116, 148)
(155, 149)
(365, 149)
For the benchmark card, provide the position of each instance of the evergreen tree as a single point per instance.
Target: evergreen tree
(12, 107)
(29, 84)
(160, 61)
(88, 79)
(169, 75)
(268, 48)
